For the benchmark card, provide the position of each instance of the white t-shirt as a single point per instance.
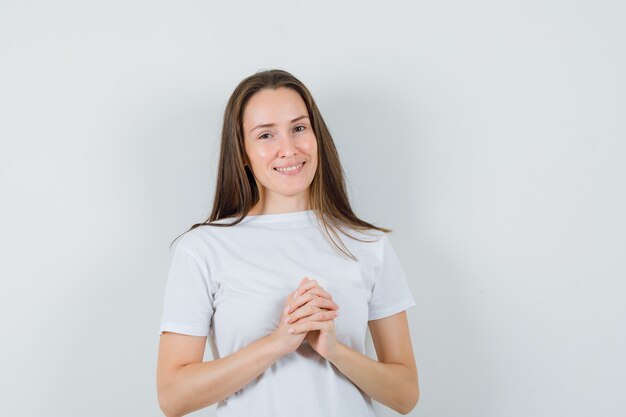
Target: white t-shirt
(231, 283)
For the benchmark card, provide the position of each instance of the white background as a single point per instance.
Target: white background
(488, 134)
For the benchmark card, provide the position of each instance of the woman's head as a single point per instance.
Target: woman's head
(248, 156)
(280, 148)
(271, 96)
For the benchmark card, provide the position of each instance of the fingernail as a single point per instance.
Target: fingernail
(287, 320)
(286, 310)
(336, 313)
(291, 330)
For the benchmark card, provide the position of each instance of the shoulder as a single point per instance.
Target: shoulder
(366, 244)
(375, 244)
(368, 237)
(198, 241)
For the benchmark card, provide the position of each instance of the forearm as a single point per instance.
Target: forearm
(391, 384)
(198, 385)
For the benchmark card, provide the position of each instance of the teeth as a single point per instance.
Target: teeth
(293, 168)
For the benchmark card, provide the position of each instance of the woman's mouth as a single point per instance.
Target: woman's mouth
(292, 170)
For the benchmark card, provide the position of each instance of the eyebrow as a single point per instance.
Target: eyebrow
(274, 124)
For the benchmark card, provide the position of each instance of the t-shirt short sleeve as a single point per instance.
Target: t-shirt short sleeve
(391, 293)
(188, 300)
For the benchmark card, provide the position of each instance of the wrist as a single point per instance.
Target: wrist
(335, 356)
(273, 347)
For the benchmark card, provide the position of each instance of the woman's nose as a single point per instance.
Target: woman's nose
(287, 145)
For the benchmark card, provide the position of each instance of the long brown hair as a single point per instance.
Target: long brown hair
(236, 190)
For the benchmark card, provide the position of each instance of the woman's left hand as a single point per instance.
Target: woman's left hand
(322, 337)
(314, 318)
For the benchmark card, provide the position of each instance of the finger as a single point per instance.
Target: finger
(322, 302)
(320, 291)
(296, 302)
(305, 298)
(305, 284)
(293, 294)
(304, 311)
(321, 315)
(312, 325)
(315, 305)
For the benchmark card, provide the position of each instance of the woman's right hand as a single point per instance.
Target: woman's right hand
(322, 308)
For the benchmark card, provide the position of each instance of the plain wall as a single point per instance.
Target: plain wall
(489, 135)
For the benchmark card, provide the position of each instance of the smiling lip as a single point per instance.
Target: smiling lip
(291, 165)
(293, 172)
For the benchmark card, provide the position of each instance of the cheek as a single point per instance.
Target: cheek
(260, 154)
(313, 152)
(311, 146)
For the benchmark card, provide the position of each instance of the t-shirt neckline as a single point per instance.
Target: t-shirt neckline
(280, 217)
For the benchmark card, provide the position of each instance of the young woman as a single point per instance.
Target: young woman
(265, 275)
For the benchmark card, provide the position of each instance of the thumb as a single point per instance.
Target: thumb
(302, 281)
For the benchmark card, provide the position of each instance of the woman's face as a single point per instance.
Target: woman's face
(278, 134)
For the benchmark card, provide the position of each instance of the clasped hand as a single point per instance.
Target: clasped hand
(309, 313)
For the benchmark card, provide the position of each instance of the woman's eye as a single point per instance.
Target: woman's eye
(299, 127)
(263, 136)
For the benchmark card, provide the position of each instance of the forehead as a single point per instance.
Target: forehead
(273, 106)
